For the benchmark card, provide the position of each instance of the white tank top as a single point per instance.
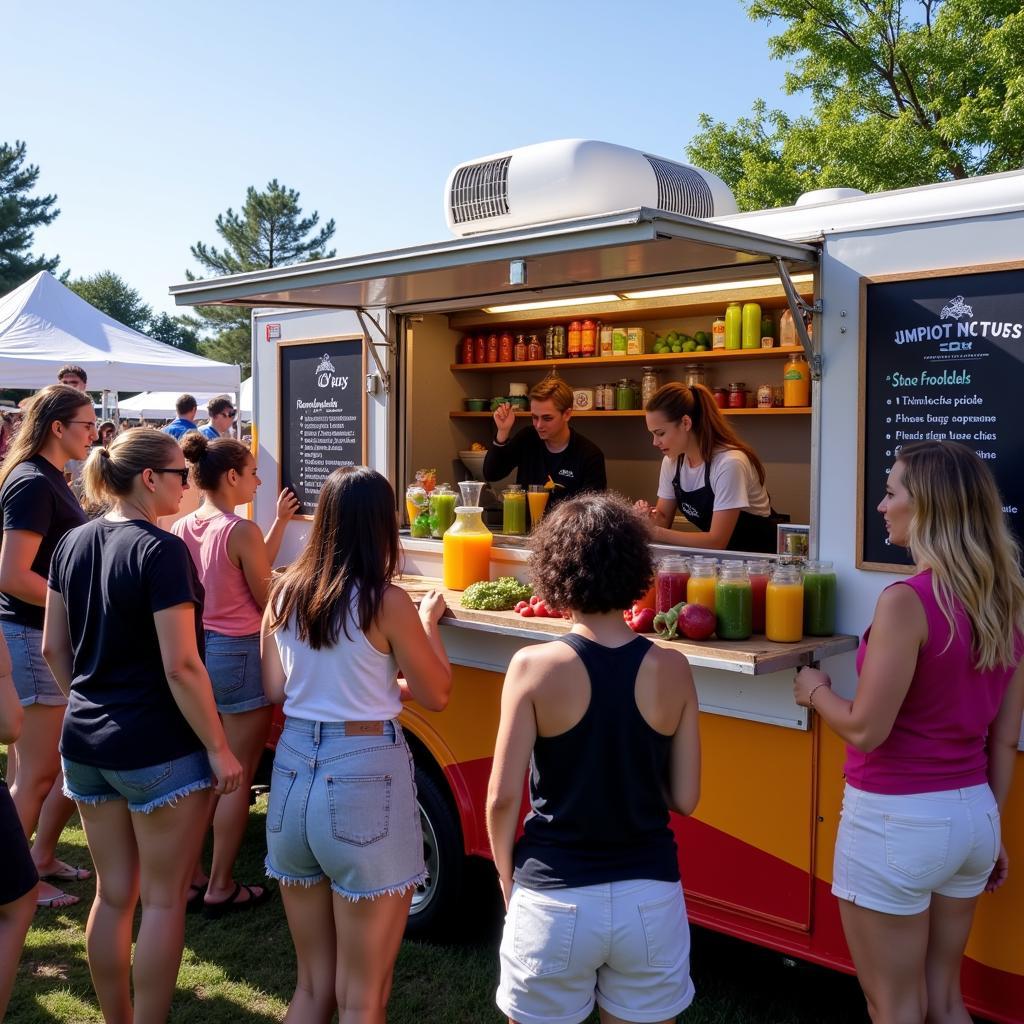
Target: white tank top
(350, 682)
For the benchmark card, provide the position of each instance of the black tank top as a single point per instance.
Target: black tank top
(598, 791)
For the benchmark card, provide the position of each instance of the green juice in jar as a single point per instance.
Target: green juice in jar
(514, 511)
(819, 599)
(442, 512)
(734, 609)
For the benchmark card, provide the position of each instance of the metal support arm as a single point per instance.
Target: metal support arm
(365, 319)
(802, 313)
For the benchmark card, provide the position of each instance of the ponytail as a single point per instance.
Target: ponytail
(212, 459)
(111, 472)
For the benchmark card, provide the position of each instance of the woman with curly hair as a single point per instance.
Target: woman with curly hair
(595, 906)
(932, 735)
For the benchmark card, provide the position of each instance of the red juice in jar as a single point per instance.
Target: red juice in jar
(673, 575)
(760, 573)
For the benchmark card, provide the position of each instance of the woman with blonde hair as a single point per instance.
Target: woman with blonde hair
(142, 744)
(38, 508)
(932, 736)
(708, 473)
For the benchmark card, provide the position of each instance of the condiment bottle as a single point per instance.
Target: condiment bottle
(513, 506)
(588, 338)
(605, 345)
(442, 509)
(759, 572)
(575, 339)
(534, 349)
(549, 344)
(520, 350)
(796, 382)
(819, 599)
(784, 605)
(751, 316)
(466, 349)
(506, 348)
(480, 349)
(700, 588)
(466, 555)
(733, 602)
(733, 326)
(718, 333)
(670, 583)
(492, 348)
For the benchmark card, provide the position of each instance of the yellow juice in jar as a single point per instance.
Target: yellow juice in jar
(538, 502)
(467, 559)
(701, 590)
(413, 509)
(784, 612)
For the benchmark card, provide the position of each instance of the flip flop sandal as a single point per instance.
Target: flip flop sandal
(66, 873)
(194, 903)
(232, 904)
(61, 901)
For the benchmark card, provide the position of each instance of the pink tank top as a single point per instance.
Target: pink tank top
(230, 608)
(938, 739)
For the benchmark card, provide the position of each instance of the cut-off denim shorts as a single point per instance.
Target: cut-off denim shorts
(33, 679)
(145, 789)
(344, 808)
(234, 666)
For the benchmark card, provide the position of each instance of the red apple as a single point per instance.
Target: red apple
(696, 622)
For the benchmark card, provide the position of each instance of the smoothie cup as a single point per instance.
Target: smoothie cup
(537, 496)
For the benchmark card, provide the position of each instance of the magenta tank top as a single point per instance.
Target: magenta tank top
(230, 608)
(938, 739)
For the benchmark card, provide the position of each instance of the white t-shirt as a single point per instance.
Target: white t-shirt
(733, 479)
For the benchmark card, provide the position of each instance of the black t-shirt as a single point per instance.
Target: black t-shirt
(36, 497)
(113, 577)
(578, 467)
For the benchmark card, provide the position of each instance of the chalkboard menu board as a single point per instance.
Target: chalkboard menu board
(323, 412)
(942, 358)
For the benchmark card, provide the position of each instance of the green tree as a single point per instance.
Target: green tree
(904, 92)
(20, 214)
(111, 294)
(270, 231)
(172, 330)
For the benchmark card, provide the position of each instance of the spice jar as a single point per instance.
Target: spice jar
(506, 347)
(479, 349)
(721, 397)
(765, 399)
(737, 395)
(492, 348)
(519, 351)
(599, 396)
(695, 374)
(575, 344)
(534, 349)
(466, 349)
(609, 395)
(624, 394)
(588, 338)
(649, 384)
(558, 344)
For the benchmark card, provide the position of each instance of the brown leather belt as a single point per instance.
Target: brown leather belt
(363, 728)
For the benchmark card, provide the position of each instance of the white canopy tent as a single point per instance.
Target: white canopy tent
(44, 325)
(154, 405)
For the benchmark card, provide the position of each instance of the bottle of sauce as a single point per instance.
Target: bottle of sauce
(796, 382)
(466, 349)
(588, 338)
(700, 588)
(520, 350)
(751, 317)
(759, 572)
(784, 605)
(480, 349)
(575, 345)
(513, 508)
(718, 333)
(733, 326)
(534, 349)
(466, 552)
(506, 348)
(819, 599)
(492, 348)
(670, 583)
(734, 602)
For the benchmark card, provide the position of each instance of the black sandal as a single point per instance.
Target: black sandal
(194, 903)
(257, 895)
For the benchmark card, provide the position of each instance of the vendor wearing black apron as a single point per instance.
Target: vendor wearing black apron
(708, 474)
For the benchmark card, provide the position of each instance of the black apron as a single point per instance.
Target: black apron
(751, 533)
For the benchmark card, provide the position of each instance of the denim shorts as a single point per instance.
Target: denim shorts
(893, 852)
(234, 666)
(145, 789)
(624, 945)
(344, 808)
(33, 679)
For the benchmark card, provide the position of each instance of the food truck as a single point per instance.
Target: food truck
(908, 307)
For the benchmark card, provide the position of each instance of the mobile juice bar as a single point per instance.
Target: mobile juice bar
(909, 309)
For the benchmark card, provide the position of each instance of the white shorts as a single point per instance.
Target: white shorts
(893, 852)
(625, 945)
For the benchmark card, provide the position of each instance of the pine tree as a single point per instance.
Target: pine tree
(20, 215)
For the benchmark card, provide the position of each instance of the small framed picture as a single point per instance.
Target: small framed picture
(793, 539)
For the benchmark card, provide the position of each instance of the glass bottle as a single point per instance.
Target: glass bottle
(670, 583)
(734, 602)
(751, 330)
(819, 599)
(506, 347)
(784, 605)
(796, 382)
(575, 344)
(733, 326)
(519, 351)
(700, 588)
(534, 349)
(466, 555)
(759, 571)
(649, 384)
(624, 394)
(492, 348)
(588, 338)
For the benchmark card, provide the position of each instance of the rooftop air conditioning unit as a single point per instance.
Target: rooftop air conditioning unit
(572, 178)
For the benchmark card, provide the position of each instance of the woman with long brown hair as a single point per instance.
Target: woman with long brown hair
(38, 508)
(343, 828)
(708, 473)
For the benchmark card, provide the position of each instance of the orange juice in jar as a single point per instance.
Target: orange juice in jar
(466, 552)
(784, 605)
(700, 588)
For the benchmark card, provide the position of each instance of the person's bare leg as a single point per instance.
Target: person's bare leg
(108, 933)
(168, 839)
(949, 928)
(368, 934)
(54, 815)
(310, 915)
(889, 955)
(15, 917)
(610, 1018)
(247, 735)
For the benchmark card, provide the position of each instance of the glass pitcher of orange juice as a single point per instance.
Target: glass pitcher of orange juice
(466, 553)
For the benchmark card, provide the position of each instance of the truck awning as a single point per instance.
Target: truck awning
(589, 254)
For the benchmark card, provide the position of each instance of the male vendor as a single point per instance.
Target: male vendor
(550, 452)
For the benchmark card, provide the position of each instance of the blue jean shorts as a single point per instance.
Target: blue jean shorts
(33, 679)
(145, 789)
(344, 808)
(234, 666)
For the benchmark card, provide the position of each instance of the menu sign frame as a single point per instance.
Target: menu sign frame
(941, 357)
(321, 379)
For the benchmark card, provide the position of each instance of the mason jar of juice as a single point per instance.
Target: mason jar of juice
(442, 510)
(670, 582)
(466, 556)
(733, 326)
(513, 508)
(784, 605)
(734, 602)
(751, 321)
(796, 382)
(700, 588)
(819, 599)
(537, 497)
(415, 502)
(759, 572)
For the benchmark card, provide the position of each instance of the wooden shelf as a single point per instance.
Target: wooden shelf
(800, 411)
(647, 359)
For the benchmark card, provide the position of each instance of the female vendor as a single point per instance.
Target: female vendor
(708, 474)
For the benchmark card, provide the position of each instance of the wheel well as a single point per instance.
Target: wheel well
(426, 763)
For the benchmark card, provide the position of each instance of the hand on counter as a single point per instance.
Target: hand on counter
(432, 607)
(504, 420)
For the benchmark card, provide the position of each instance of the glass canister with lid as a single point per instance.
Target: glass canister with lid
(649, 384)
(442, 509)
(624, 395)
(733, 602)
(738, 395)
(695, 374)
(513, 507)
(819, 599)
(784, 605)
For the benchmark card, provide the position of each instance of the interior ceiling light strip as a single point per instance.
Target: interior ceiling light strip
(579, 300)
(715, 286)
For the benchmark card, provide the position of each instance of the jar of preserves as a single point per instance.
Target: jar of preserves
(765, 398)
(480, 349)
(624, 394)
(506, 347)
(558, 346)
(737, 395)
(519, 352)
(549, 343)
(492, 348)
(609, 395)
(534, 349)
(695, 374)
(575, 344)
(649, 384)
(588, 338)
(721, 397)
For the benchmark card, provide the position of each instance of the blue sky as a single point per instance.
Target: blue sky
(148, 119)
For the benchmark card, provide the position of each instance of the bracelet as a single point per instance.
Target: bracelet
(810, 696)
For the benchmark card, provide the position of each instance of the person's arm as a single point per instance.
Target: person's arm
(504, 454)
(898, 630)
(17, 553)
(1003, 737)
(11, 711)
(287, 506)
(517, 734)
(247, 550)
(722, 525)
(271, 668)
(684, 781)
(58, 651)
(415, 639)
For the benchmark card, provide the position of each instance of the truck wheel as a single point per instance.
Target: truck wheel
(434, 910)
